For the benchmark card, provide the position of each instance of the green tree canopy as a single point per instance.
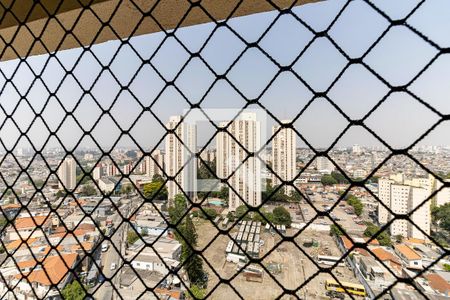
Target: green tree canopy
(155, 190)
(186, 234)
(132, 237)
(327, 179)
(441, 216)
(240, 211)
(383, 238)
(281, 216)
(88, 190)
(339, 177)
(356, 203)
(335, 230)
(73, 291)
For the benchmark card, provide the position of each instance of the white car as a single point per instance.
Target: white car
(113, 266)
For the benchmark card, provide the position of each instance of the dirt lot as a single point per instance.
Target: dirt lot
(294, 266)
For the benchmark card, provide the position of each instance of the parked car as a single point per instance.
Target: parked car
(113, 266)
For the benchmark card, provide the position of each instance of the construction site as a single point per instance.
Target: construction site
(284, 264)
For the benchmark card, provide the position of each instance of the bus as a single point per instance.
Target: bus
(330, 260)
(351, 288)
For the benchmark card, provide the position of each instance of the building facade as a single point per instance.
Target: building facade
(242, 134)
(180, 158)
(283, 155)
(401, 198)
(154, 165)
(67, 174)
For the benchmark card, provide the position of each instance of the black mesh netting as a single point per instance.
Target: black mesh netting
(80, 223)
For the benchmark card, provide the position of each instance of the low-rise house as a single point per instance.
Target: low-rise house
(11, 210)
(438, 283)
(411, 258)
(26, 227)
(389, 259)
(153, 263)
(108, 184)
(31, 279)
(154, 226)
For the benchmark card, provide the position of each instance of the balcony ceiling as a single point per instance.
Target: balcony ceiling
(26, 29)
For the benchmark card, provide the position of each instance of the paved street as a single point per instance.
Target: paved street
(106, 292)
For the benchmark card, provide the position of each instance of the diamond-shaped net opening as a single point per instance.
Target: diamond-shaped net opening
(301, 152)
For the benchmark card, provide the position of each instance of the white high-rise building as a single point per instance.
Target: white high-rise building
(402, 197)
(67, 173)
(154, 165)
(179, 148)
(324, 165)
(284, 155)
(97, 172)
(246, 178)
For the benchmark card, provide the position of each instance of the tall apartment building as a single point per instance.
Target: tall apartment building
(246, 179)
(155, 164)
(284, 155)
(324, 165)
(178, 149)
(97, 172)
(402, 197)
(67, 173)
(111, 170)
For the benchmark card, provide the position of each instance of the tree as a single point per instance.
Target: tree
(398, 238)
(441, 216)
(126, 189)
(3, 222)
(446, 267)
(278, 196)
(339, 177)
(177, 211)
(39, 183)
(203, 172)
(88, 190)
(383, 238)
(82, 180)
(186, 234)
(196, 291)
(240, 211)
(328, 180)
(335, 230)
(281, 216)
(193, 262)
(296, 196)
(132, 237)
(60, 194)
(73, 291)
(355, 203)
(157, 177)
(210, 212)
(155, 190)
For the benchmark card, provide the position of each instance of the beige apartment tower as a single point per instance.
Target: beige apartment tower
(402, 197)
(154, 165)
(67, 173)
(283, 155)
(180, 158)
(246, 179)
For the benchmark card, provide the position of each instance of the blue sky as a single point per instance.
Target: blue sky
(397, 58)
